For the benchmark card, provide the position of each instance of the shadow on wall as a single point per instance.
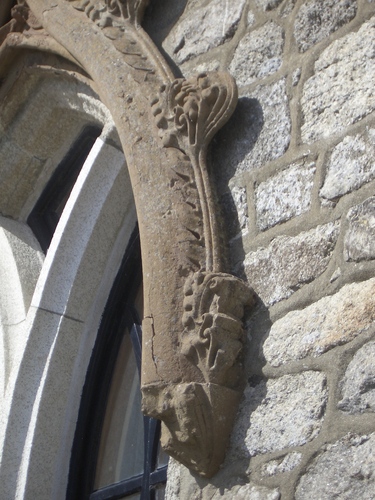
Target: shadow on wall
(232, 144)
(160, 17)
(236, 140)
(235, 470)
(229, 148)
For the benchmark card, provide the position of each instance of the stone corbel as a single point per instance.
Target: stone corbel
(193, 339)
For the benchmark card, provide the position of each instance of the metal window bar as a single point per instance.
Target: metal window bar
(144, 483)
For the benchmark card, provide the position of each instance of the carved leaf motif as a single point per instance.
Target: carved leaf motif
(213, 337)
(108, 10)
(112, 16)
(189, 112)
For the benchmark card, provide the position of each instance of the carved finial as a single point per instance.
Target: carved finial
(189, 112)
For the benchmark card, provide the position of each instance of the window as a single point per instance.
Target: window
(47, 211)
(117, 449)
(116, 453)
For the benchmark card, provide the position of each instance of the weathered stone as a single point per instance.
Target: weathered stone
(248, 491)
(235, 204)
(285, 195)
(204, 28)
(316, 20)
(202, 67)
(351, 165)
(345, 470)
(268, 4)
(288, 263)
(296, 75)
(288, 8)
(280, 413)
(250, 20)
(341, 91)
(258, 54)
(181, 485)
(360, 238)
(258, 132)
(284, 464)
(168, 187)
(358, 384)
(330, 322)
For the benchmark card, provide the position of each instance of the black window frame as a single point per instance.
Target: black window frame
(119, 315)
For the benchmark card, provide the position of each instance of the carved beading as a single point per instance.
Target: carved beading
(114, 18)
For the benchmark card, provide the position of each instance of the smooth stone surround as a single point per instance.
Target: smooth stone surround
(330, 322)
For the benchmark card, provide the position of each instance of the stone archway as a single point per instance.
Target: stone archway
(193, 337)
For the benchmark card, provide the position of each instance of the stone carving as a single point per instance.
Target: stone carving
(192, 331)
(114, 17)
(111, 12)
(213, 336)
(22, 19)
(196, 420)
(188, 113)
(197, 417)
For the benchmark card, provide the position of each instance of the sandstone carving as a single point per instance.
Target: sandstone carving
(192, 330)
(212, 338)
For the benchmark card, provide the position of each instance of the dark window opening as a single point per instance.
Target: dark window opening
(48, 209)
(116, 452)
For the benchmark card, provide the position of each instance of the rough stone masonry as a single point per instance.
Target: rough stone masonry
(295, 173)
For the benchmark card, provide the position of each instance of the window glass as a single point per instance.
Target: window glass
(121, 453)
(117, 453)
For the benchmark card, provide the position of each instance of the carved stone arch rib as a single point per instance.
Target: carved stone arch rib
(193, 336)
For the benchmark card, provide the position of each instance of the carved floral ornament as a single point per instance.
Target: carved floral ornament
(193, 338)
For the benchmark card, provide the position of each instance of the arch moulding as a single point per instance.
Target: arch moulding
(192, 331)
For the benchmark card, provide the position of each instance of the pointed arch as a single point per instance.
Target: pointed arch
(193, 336)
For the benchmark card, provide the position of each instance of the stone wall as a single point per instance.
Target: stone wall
(295, 172)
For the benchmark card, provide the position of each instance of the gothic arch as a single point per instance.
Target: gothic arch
(193, 337)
